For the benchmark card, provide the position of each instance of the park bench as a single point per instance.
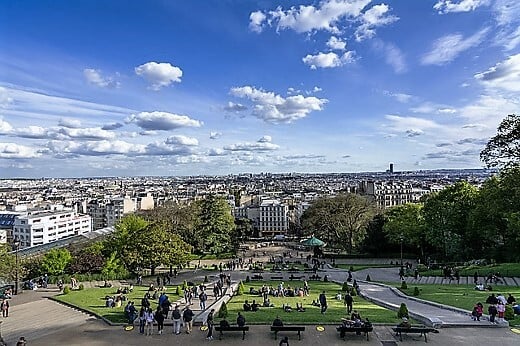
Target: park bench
(358, 330)
(292, 277)
(277, 329)
(257, 277)
(417, 330)
(276, 277)
(315, 278)
(220, 329)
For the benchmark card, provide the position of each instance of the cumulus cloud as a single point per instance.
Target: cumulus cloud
(217, 152)
(17, 151)
(411, 126)
(112, 126)
(159, 74)
(447, 48)
(33, 132)
(433, 108)
(504, 75)
(376, 16)
(336, 43)
(274, 108)
(328, 60)
(256, 20)
(162, 121)
(95, 77)
(265, 139)
(215, 135)
(257, 146)
(5, 127)
(70, 123)
(5, 99)
(401, 97)
(234, 107)
(182, 140)
(93, 133)
(449, 6)
(414, 132)
(392, 54)
(477, 141)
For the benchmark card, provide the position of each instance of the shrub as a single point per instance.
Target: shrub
(416, 291)
(222, 312)
(509, 314)
(66, 290)
(404, 286)
(81, 287)
(421, 268)
(248, 279)
(184, 285)
(368, 278)
(345, 287)
(403, 311)
(206, 279)
(353, 292)
(241, 289)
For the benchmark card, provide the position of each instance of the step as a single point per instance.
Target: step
(509, 281)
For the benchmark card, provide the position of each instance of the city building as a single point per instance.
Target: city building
(273, 218)
(386, 194)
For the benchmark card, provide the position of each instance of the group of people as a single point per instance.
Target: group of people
(355, 320)
(497, 307)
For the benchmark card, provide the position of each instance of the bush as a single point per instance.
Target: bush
(353, 292)
(345, 287)
(403, 311)
(368, 278)
(81, 287)
(416, 291)
(66, 290)
(421, 268)
(248, 279)
(241, 289)
(206, 279)
(222, 312)
(509, 313)
(404, 286)
(184, 285)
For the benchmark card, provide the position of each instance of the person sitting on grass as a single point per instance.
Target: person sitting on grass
(254, 306)
(246, 306)
(277, 322)
(267, 303)
(287, 308)
(315, 303)
(299, 307)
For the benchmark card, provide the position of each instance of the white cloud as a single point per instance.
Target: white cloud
(256, 20)
(411, 125)
(448, 6)
(5, 99)
(33, 132)
(5, 127)
(258, 146)
(328, 60)
(162, 121)
(393, 55)
(433, 108)
(70, 123)
(401, 97)
(215, 135)
(234, 107)
(95, 77)
(95, 133)
(336, 43)
(265, 139)
(159, 74)
(447, 48)
(317, 89)
(17, 151)
(414, 132)
(182, 140)
(504, 75)
(274, 108)
(374, 17)
(217, 152)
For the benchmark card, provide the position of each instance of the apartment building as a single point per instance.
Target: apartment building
(387, 194)
(273, 218)
(37, 228)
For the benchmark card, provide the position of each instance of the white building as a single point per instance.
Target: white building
(273, 218)
(387, 194)
(37, 228)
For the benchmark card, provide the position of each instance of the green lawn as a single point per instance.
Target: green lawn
(505, 269)
(93, 300)
(461, 296)
(336, 309)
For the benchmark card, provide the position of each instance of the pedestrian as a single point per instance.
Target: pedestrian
(148, 321)
(323, 302)
(159, 317)
(492, 310)
(348, 302)
(475, 278)
(209, 323)
(142, 319)
(187, 317)
(21, 341)
(501, 308)
(176, 316)
(203, 297)
(5, 308)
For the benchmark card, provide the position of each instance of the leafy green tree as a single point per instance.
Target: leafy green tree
(375, 241)
(7, 263)
(55, 261)
(503, 150)
(405, 223)
(216, 225)
(340, 221)
(446, 216)
(113, 267)
(244, 228)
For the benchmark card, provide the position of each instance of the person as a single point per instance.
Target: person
(277, 322)
(299, 307)
(224, 323)
(254, 306)
(501, 298)
(21, 341)
(348, 302)
(491, 299)
(355, 315)
(131, 312)
(209, 323)
(477, 312)
(492, 310)
(501, 308)
(176, 317)
(405, 323)
(5, 308)
(401, 273)
(203, 297)
(148, 321)
(142, 319)
(284, 341)
(511, 299)
(187, 317)
(246, 306)
(323, 302)
(241, 320)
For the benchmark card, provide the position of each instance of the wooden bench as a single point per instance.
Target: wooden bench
(417, 330)
(276, 277)
(277, 329)
(220, 329)
(357, 330)
(257, 277)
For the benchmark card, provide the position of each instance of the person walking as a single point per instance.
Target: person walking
(5, 308)
(176, 316)
(203, 297)
(323, 302)
(348, 302)
(148, 321)
(209, 323)
(187, 317)
(142, 319)
(159, 317)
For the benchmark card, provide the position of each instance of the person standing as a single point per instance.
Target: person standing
(142, 319)
(209, 323)
(323, 302)
(176, 316)
(203, 297)
(501, 308)
(187, 317)
(5, 308)
(492, 310)
(148, 315)
(348, 302)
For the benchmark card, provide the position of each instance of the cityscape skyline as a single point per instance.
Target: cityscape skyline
(163, 88)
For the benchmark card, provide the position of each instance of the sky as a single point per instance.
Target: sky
(213, 87)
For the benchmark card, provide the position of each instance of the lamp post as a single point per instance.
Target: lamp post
(401, 239)
(16, 247)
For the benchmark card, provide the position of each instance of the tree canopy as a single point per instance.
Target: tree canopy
(503, 150)
(216, 225)
(55, 261)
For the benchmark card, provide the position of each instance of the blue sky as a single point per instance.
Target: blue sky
(111, 88)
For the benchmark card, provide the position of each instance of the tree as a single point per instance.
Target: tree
(340, 221)
(405, 223)
(375, 241)
(86, 262)
(216, 225)
(503, 150)
(55, 261)
(7, 263)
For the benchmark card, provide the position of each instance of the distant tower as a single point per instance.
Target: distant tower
(391, 170)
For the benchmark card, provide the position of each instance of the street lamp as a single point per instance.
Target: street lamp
(16, 244)
(401, 238)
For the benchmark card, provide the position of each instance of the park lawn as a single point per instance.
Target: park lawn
(461, 296)
(505, 269)
(93, 300)
(336, 309)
